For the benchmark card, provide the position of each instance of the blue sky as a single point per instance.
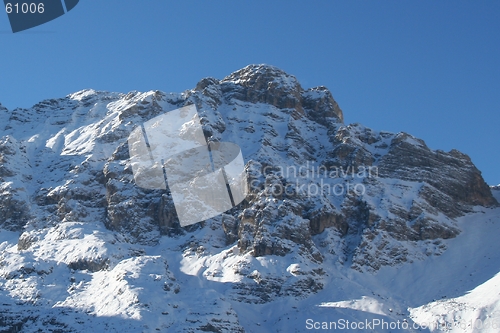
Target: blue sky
(430, 68)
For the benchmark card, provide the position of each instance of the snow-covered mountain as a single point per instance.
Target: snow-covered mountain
(342, 222)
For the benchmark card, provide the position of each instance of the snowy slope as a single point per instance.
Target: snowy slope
(146, 288)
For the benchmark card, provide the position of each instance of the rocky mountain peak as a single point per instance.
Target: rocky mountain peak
(271, 85)
(323, 195)
(82, 94)
(264, 84)
(264, 77)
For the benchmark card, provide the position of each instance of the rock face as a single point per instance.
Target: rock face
(270, 85)
(319, 189)
(14, 175)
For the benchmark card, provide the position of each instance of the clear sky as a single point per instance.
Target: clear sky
(430, 68)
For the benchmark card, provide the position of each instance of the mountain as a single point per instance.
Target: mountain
(341, 221)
